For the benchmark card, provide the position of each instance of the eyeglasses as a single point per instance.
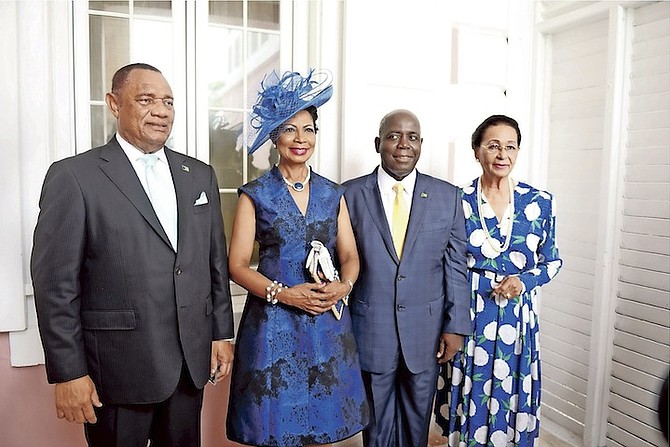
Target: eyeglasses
(494, 148)
(148, 101)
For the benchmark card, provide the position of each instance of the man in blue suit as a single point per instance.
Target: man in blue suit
(410, 305)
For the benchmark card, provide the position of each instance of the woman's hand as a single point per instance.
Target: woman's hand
(336, 290)
(310, 297)
(509, 287)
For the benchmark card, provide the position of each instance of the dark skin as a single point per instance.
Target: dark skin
(144, 115)
(295, 142)
(399, 145)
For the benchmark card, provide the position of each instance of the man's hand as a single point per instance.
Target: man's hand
(450, 344)
(221, 362)
(75, 400)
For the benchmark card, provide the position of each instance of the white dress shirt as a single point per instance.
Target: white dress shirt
(163, 172)
(386, 183)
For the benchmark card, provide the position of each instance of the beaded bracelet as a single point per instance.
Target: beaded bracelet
(273, 290)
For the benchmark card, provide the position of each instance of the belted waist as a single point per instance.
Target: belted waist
(488, 274)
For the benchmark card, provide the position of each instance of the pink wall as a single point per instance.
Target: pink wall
(28, 417)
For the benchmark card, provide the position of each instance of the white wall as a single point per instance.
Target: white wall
(451, 63)
(38, 126)
(12, 315)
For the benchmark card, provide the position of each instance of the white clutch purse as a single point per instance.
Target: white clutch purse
(320, 266)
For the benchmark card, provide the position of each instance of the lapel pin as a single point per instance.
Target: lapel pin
(424, 194)
(185, 168)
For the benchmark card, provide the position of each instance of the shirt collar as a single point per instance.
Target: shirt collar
(386, 182)
(135, 154)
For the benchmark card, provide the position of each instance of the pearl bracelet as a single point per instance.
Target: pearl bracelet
(273, 290)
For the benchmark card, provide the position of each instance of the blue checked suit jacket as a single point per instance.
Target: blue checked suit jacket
(402, 306)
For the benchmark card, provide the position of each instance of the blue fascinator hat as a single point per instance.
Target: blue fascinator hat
(282, 97)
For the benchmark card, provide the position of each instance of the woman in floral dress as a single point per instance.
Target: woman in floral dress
(491, 392)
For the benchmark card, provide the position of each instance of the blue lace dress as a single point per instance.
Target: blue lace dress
(490, 396)
(296, 378)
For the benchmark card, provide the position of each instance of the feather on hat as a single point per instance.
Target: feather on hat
(282, 97)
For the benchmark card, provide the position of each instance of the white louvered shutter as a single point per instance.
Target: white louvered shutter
(577, 103)
(641, 349)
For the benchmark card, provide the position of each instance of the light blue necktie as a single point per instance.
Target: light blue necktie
(164, 207)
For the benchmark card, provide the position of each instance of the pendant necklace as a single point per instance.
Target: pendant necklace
(298, 186)
(495, 245)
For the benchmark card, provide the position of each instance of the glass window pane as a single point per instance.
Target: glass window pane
(154, 8)
(103, 124)
(228, 207)
(225, 67)
(97, 130)
(109, 50)
(262, 160)
(110, 6)
(263, 57)
(146, 50)
(226, 13)
(226, 148)
(264, 15)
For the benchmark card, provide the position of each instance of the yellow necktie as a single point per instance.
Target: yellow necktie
(400, 218)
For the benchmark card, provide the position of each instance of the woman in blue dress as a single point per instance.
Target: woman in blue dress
(491, 392)
(296, 379)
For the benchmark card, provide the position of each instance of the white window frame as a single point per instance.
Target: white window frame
(55, 35)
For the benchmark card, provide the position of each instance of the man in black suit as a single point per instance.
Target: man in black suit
(130, 275)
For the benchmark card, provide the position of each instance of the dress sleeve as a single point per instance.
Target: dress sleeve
(548, 261)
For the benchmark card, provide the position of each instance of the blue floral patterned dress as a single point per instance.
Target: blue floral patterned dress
(490, 395)
(296, 378)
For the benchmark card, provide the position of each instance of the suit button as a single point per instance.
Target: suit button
(177, 271)
(400, 307)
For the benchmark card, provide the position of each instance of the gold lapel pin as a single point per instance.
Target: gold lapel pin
(424, 195)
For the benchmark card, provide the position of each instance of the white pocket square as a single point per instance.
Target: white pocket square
(202, 199)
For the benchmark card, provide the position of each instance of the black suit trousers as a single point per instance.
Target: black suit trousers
(174, 422)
